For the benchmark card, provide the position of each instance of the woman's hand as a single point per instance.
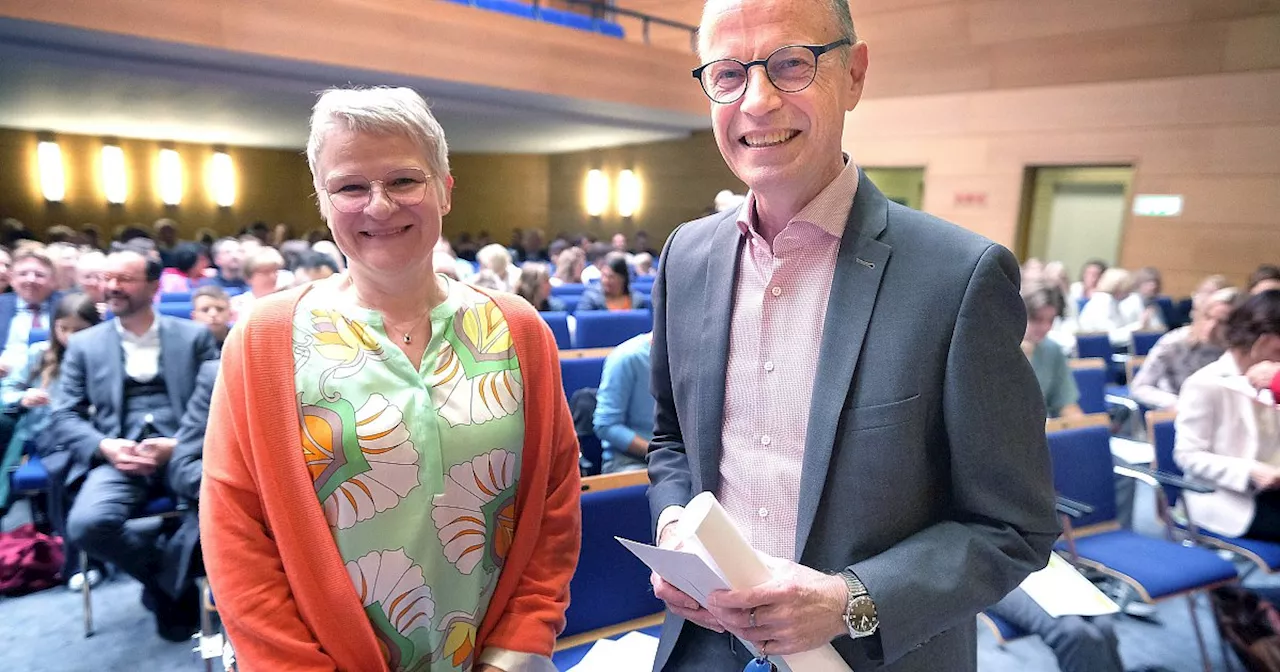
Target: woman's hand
(1262, 374)
(1264, 476)
(34, 397)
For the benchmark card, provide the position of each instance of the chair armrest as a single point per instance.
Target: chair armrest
(1126, 402)
(1073, 508)
(1155, 478)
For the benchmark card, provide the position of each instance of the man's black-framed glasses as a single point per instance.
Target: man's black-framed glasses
(791, 69)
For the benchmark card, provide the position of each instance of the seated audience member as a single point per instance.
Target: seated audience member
(228, 256)
(211, 307)
(1182, 352)
(444, 264)
(183, 472)
(535, 287)
(329, 249)
(25, 396)
(641, 244)
(614, 291)
(1048, 360)
(1107, 311)
(65, 257)
(619, 241)
(1090, 274)
(624, 406)
(28, 307)
(596, 253)
(1265, 278)
(569, 266)
(89, 275)
(554, 250)
(1142, 301)
(166, 239)
(1079, 644)
(497, 259)
(644, 265)
(123, 389)
(187, 272)
(487, 279)
(318, 266)
(531, 248)
(445, 261)
(1265, 376)
(1229, 435)
(262, 273)
(6, 264)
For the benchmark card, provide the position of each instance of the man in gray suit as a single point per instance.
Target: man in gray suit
(844, 373)
(124, 386)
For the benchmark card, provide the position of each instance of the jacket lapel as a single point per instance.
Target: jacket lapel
(170, 361)
(722, 267)
(859, 268)
(114, 377)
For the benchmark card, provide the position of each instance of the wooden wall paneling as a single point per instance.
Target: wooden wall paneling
(996, 21)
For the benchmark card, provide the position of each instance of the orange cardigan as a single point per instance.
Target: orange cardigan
(281, 587)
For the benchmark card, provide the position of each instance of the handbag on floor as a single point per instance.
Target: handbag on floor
(29, 561)
(1250, 624)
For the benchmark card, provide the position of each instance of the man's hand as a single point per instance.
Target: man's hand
(799, 609)
(34, 397)
(123, 455)
(159, 449)
(1261, 375)
(1264, 476)
(677, 601)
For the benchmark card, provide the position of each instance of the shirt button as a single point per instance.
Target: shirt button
(763, 512)
(776, 291)
(768, 366)
(766, 440)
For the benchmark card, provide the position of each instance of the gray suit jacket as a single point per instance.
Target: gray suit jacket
(925, 469)
(88, 403)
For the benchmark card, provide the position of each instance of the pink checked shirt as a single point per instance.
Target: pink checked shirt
(780, 307)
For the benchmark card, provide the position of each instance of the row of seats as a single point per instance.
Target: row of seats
(550, 15)
(597, 328)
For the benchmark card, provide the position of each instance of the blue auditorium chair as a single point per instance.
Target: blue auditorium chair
(1093, 345)
(610, 587)
(610, 29)
(1154, 569)
(176, 309)
(607, 328)
(1264, 555)
(1143, 342)
(567, 19)
(568, 288)
(1091, 380)
(559, 323)
(577, 372)
(175, 297)
(523, 10)
(570, 302)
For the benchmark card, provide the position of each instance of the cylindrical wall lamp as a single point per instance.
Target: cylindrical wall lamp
(222, 180)
(113, 178)
(169, 177)
(53, 182)
(628, 193)
(597, 192)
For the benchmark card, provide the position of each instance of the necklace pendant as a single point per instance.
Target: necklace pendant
(407, 339)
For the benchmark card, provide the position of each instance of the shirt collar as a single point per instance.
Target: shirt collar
(829, 210)
(151, 335)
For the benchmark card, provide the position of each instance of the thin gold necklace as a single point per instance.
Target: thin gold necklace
(405, 337)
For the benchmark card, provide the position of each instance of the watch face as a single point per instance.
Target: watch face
(862, 616)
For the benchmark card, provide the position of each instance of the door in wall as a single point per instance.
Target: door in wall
(1077, 214)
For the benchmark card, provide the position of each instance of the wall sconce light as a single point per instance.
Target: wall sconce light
(52, 180)
(169, 177)
(113, 178)
(597, 193)
(628, 193)
(222, 180)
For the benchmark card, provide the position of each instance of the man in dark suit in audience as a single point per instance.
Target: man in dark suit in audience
(843, 373)
(124, 387)
(29, 307)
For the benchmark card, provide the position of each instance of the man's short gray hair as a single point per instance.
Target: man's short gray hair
(381, 110)
(839, 10)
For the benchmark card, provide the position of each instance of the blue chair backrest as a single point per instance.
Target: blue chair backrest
(570, 302)
(175, 297)
(611, 29)
(521, 9)
(1163, 439)
(567, 288)
(1143, 341)
(1168, 312)
(1082, 470)
(605, 329)
(176, 309)
(1092, 384)
(610, 585)
(576, 374)
(37, 336)
(1093, 345)
(643, 281)
(561, 17)
(559, 323)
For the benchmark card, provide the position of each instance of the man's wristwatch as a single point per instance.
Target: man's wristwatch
(859, 612)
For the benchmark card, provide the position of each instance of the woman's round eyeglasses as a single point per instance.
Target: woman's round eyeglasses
(353, 193)
(791, 69)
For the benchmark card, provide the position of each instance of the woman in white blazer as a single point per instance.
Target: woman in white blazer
(1229, 432)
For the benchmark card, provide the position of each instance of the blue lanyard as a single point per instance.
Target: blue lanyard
(760, 664)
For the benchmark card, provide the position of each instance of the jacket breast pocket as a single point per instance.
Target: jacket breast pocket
(883, 415)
